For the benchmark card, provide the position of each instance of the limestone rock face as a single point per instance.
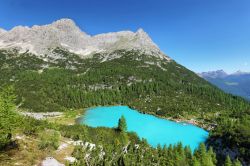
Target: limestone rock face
(64, 33)
(2, 31)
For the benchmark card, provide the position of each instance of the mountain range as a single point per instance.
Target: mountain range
(66, 34)
(236, 83)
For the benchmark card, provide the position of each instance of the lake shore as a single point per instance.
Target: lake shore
(192, 121)
(78, 117)
(205, 126)
(146, 126)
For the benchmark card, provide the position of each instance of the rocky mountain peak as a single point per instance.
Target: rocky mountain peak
(66, 34)
(144, 37)
(64, 22)
(66, 25)
(140, 32)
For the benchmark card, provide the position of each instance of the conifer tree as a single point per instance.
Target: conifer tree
(196, 162)
(122, 124)
(7, 116)
(237, 163)
(228, 161)
(212, 155)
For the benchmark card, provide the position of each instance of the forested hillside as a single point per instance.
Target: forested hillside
(111, 146)
(132, 78)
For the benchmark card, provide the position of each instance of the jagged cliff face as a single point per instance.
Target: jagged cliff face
(64, 33)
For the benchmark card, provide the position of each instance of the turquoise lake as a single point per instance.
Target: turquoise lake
(155, 130)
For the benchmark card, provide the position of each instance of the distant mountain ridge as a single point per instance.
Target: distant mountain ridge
(237, 83)
(214, 74)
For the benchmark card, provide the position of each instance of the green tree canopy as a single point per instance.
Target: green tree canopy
(122, 124)
(236, 163)
(7, 115)
(228, 161)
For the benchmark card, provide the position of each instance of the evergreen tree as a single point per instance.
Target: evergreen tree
(237, 163)
(122, 124)
(8, 117)
(212, 155)
(196, 162)
(228, 161)
(188, 154)
(205, 158)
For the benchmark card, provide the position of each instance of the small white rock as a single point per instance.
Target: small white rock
(70, 159)
(50, 161)
(62, 146)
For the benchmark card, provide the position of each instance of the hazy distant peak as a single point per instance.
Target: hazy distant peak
(221, 74)
(214, 74)
(239, 72)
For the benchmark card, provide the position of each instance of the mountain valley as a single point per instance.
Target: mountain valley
(58, 68)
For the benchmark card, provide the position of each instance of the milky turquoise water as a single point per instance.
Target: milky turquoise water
(155, 130)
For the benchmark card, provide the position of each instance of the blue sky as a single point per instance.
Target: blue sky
(199, 34)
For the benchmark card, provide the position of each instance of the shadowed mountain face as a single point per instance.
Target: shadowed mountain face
(237, 83)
